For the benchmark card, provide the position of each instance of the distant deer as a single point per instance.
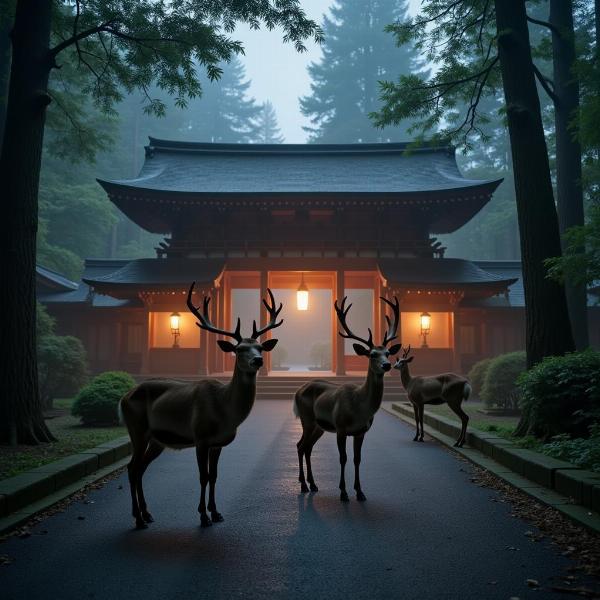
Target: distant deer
(447, 388)
(204, 414)
(348, 409)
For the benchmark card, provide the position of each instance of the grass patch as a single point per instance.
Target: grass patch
(72, 438)
(503, 426)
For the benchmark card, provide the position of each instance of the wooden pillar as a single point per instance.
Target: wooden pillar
(146, 341)
(264, 317)
(211, 345)
(340, 286)
(457, 363)
(220, 362)
(203, 368)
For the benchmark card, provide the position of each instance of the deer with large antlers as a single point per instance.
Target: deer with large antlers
(346, 410)
(446, 388)
(162, 413)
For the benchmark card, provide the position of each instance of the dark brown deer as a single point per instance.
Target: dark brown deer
(205, 414)
(346, 410)
(446, 388)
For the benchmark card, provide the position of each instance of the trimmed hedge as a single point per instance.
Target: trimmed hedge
(97, 403)
(500, 383)
(477, 375)
(561, 395)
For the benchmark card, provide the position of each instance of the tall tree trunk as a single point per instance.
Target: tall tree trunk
(21, 419)
(6, 22)
(569, 193)
(548, 329)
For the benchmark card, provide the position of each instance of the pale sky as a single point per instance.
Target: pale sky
(279, 73)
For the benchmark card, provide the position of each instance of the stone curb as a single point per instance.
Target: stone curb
(569, 489)
(31, 487)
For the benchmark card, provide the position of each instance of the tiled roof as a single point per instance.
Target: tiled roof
(440, 272)
(298, 168)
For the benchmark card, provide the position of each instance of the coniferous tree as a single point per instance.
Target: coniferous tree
(225, 113)
(357, 54)
(267, 127)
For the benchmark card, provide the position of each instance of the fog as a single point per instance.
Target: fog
(278, 73)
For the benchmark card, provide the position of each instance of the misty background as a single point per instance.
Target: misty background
(272, 94)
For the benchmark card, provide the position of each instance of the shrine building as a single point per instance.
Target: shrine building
(317, 221)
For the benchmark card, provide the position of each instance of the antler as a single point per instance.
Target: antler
(342, 312)
(392, 329)
(273, 313)
(405, 352)
(204, 318)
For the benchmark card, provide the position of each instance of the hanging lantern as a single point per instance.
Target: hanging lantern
(425, 327)
(175, 319)
(302, 295)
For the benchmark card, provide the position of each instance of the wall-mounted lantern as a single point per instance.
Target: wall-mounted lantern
(302, 295)
(175, 319)
(425, 327)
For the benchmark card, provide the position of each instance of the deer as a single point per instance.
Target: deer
(204, 414)
(348, 409)
(447, 388)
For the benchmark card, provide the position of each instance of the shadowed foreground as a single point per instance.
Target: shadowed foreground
(425, 532)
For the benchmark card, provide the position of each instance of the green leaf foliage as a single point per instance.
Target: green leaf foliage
(62, 366)
(580, 261)
(45, 324)
(97, 403)
(500, 382)
(561, 394)
(583, 452)
(477, 374)
(357, 54)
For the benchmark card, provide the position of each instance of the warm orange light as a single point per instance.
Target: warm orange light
(425, 322)
(302, 295)
(425, 327)
(175, 319)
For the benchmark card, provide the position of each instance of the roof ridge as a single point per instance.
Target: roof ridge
(157, 144)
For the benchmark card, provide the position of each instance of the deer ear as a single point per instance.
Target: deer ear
(409, 359)
(268, 345)
(395, 349)
(360, 350)
(226, 346)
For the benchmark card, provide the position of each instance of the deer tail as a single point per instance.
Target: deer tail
(467, 391)
(126, 397)
(296, 412)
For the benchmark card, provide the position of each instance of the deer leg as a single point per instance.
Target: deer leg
(301, 446)
(464, 418)
(416, 411)
(202, 457)
(421, 412)
(358, 442)
(317, 433)
(213, 461)
(133, 469)
(341, 442)
(154, 450)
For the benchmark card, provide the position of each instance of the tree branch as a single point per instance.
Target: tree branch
(545, 83)
(546, 24)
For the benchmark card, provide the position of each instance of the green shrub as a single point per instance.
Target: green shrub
(500, 382)
(97, 402)
(477, 375)
(120, 379)
(62, 367)
(584, 453)
(561, 394)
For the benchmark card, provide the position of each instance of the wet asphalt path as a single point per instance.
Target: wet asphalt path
(425, 531)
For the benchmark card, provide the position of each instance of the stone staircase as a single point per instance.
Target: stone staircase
(283, 387)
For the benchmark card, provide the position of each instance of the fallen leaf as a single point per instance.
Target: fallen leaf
(532, 583)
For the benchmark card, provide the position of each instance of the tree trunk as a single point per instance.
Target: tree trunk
(21, 419)
(548, 329)
(6, 22)
(569, 193)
